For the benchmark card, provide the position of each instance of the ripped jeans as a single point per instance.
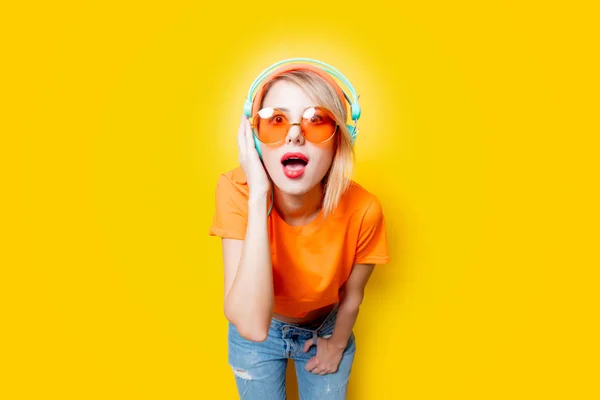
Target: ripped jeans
(260, 367)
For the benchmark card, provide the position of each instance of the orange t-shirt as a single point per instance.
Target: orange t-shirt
(310, 262)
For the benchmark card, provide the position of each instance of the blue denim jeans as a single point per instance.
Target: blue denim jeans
(260, 367)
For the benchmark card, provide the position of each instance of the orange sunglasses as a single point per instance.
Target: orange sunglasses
(271, 125)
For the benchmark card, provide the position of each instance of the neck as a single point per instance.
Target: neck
(299, 209)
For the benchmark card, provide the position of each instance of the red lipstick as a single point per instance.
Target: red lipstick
(299, 156)
(294, 164)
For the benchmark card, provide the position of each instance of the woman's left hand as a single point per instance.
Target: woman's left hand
(328, 356)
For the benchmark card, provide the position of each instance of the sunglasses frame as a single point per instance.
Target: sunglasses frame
(255, 126)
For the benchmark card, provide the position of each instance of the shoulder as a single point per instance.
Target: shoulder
(232, 192)
(231, 205)
(233, 182)
(370, 228)
(361, 202)
(234, 176)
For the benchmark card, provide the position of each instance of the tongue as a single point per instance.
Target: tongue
(294, 165)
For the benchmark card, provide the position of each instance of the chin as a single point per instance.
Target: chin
(294, 190)
(290, 184)
(296, 187)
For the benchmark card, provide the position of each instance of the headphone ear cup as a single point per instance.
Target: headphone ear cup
(352, 132)
(248, 108)
(355, 111)
(257, 146)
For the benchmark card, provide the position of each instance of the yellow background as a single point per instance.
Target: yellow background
(478, 135)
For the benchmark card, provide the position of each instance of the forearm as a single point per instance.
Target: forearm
(249, 303)
(346, 318)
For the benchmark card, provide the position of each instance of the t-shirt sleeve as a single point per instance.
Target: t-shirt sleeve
(372, 246)
(231, 211)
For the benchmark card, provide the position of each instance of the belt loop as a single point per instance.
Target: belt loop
(315, 335)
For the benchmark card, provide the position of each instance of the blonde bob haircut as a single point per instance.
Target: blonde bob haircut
(339, 176)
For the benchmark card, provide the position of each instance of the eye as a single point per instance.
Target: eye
(316, 119)
(319, 117)
(277, 119)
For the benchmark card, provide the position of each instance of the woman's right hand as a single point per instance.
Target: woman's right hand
(256, 175)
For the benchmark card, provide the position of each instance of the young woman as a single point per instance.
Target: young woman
(300, 238)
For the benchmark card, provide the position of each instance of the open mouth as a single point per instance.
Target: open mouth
(294, 164)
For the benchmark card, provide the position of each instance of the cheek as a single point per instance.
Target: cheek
(270, 159)
(323, 159)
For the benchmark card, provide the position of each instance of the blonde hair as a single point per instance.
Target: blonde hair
(339, 176)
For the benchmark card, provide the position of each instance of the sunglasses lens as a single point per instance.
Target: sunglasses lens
(318, 124)
(271, 125)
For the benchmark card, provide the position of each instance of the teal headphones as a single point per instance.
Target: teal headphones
(352, 99)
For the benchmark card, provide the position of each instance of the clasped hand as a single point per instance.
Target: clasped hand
(328, 356)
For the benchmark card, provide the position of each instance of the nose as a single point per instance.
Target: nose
(295, 135)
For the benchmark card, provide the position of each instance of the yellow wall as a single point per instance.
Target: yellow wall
(476, 135)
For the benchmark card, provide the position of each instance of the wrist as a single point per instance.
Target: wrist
(340, 345)
(258, 196)
(257, 202)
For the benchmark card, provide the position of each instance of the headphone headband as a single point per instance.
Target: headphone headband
(353, 101)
